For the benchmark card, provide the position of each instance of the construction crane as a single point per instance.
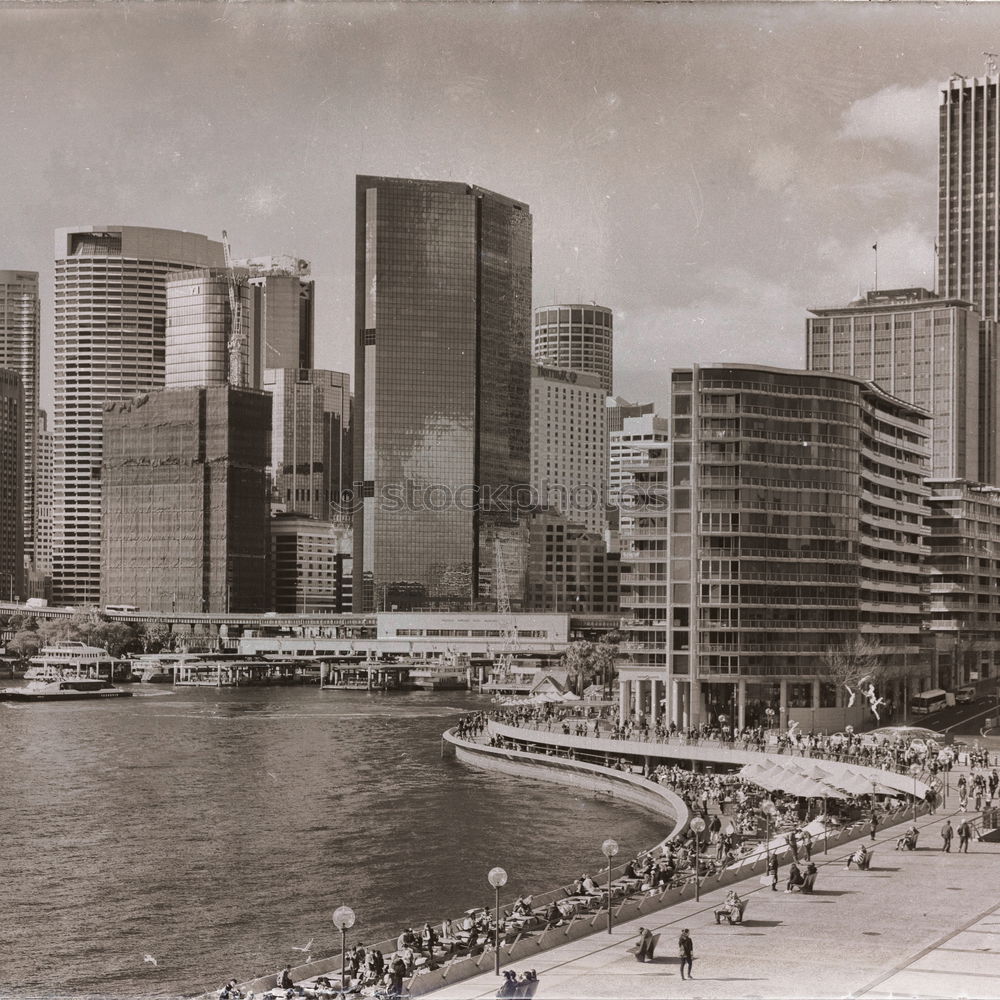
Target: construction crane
(237, 337)
(505, 660)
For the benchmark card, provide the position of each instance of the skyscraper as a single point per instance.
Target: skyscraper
(110, 326)
(576, 336)
(11, 494)
(43, 496)
(310, 439)
(199, 329)
(968, 251)
(443, 331)
(185, 523)
(283, 306)
(19, 346)
(933, 352)
(569, 444)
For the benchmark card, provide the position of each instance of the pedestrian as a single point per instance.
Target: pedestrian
(964, 836)
(807, 844)
(793, 845)
(686, 948)
(873, 826)
(772, 870)
(946, 834)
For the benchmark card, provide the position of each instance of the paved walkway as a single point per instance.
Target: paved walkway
(920, 923)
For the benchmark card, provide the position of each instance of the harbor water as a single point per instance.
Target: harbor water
(214, 831)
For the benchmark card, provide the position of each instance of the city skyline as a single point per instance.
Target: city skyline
(645, 138)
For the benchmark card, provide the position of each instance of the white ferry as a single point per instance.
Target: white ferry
(71, 659)
(64, 689)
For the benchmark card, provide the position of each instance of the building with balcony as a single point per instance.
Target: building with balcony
(785, 520)
(963, 615)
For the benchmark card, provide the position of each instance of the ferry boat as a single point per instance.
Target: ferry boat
(64, 689)
(448, 673)
(75, 659)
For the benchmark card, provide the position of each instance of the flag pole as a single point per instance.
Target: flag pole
(875, 248)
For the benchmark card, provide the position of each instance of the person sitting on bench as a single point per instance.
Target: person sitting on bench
(732, 909)
(861, 857)
(795, 878)
(809, 880)
(908, 841)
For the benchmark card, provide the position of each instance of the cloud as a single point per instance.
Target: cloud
(774, 167)
(894, 114)
(739, 319)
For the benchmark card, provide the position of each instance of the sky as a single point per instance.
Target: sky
(707, 170)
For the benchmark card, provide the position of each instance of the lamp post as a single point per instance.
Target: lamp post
(770, 810)
(343, 918)
(698, 826)
(609, 849)
(497, 877)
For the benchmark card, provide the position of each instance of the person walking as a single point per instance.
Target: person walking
(964, 836)
(686, 948)
(946, 834)
(807, 845)
(873, 826)
(772, 870)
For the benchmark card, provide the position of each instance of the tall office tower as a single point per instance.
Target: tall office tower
(110, 340)
(283, 306)
(19, 352)
(11, 492)
(968, 252)
(199, 328)
(442, 370)
(794, 524)
(628, 448)
(569, 444)
(185, 523)
(933, 352)
(310, 440)
(577, 337)
(43, 496)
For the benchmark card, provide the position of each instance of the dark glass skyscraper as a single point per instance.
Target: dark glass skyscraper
(442, 370)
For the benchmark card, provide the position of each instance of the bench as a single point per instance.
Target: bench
(862, 865)
(725, 911)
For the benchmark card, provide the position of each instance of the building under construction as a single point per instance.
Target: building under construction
(185, 511)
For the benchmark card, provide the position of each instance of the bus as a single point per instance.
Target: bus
(928, 701)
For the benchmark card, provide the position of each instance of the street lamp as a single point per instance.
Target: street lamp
(609, 849)
(698, 826)
(343, 918)
(497, 877)
(770, 810)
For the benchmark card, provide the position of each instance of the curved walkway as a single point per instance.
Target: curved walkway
(919, 924)
(704, 751)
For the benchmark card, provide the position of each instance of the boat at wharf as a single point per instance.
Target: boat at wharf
(76, 659)
(446, 673)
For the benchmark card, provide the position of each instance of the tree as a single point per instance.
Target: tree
(855, 660)
(25, 644)
(92, 629)
(579, 663)
(156, 636)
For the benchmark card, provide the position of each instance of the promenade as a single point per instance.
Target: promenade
(923, 923)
